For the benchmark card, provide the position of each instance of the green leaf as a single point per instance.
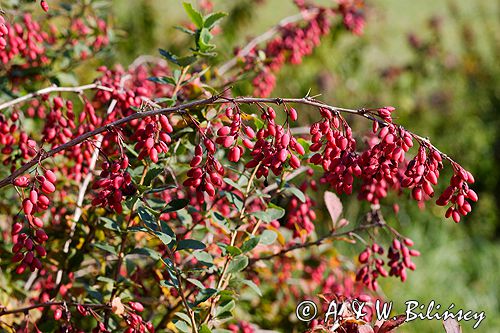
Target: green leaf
(296, 192)
(166, 229)
(250, 244)
(190, 244)
(204, 258)
(166, 239)
(138, 229)
(169, 284)
(185, 30)
(110, 224)
(187, 60)
(147, 218)
(235, 199)
(269, 214)
(163, 80)
(253, 286)
(205, 294)
(183, 61)
(183, 316)
(268, 237)
(147, 252)
(204, 40)
(106, 247)
(197, 283)
(212, 19)
(228, 307)
(175, 205)
(169, 102)
(237, 264)
(204, 329)
(194, 15)
(105, 279)
(182, 326)
(233, 184)
(233, 250)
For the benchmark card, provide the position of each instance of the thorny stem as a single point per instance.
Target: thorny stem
(217, 99)
(317, 242)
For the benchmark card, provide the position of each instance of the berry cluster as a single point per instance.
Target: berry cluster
(399, 256)
(8, 139)
(353, 17)
(206, 176)
(3, 32)
(135, 322)
(422, 173)
(28, 242)
(59, 122)
(115, 182)
(334, 148)
(300, 214)
(26, 40)
(227, 136)
(24, 44)
(241, 327)
(275, 146)
(380, 164)
(458, 193)
(153, 139)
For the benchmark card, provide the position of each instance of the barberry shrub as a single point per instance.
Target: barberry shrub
(154, 198)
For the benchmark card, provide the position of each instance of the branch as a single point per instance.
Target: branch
(190, 105)
(4, 312)
(52, 89)
(317, 242)
(304, 15)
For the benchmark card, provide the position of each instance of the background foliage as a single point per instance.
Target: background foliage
(437, 63)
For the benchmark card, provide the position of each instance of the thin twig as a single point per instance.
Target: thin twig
(52, 89)
(319, 241)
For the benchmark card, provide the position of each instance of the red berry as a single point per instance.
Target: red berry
(44, 5)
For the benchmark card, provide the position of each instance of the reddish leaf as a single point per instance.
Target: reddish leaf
(451, 326)
(333, 205)
(391, 324)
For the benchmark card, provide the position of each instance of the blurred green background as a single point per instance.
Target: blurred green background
(437, 62)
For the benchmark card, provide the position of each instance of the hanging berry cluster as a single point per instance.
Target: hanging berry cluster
(275, 147)
(399, 255)
(113, 184)
(28, 233)
(3, 32)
